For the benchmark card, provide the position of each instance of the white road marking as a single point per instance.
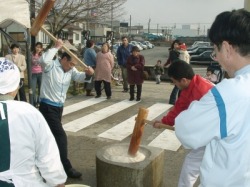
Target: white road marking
(78, 106)
(99, 115)
(125, 128)
(166, 140)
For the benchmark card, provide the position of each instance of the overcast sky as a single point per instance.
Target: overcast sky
(176, 12)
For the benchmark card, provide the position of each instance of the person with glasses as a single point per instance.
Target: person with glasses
(123, 52)
(57, 75)
(220, 119)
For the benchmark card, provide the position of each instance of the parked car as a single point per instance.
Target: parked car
(134, 43)
(200, 50)
(147, 43)
(203, 58)
(142, 45)
(198, 44)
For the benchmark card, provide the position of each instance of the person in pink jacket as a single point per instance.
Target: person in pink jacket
(104, 66)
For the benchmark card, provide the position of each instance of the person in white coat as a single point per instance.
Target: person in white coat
(29, 153)
(184, 55)
(220, 119)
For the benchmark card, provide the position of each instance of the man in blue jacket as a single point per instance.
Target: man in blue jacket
(123, 53)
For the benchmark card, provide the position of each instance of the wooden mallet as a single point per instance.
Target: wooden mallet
(138, 131)
(38, 25)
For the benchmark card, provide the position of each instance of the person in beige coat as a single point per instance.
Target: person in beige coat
(20, 61)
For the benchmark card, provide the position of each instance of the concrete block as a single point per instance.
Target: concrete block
(146, 173)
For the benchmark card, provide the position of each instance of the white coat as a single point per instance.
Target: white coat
(34, 153)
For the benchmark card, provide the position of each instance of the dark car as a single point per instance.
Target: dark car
(203, 58)
(200, 50)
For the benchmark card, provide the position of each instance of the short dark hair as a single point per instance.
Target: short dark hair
(123, 37)
(69, 58)
(233, 27)
(180, 69)
(135, 48)
(89, 43)
(14, 46)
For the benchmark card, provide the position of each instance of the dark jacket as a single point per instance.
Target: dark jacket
(173, 55)
(123, 54)
(135, 77)
(158, 69)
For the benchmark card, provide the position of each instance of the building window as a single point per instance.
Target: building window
(18, 36)
(77, 37)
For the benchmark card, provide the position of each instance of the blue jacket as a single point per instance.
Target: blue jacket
(90, 57)
(123, 54)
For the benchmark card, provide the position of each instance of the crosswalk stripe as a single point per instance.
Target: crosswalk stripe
(78, 106)
(166, 140)
(99, 115)
(125, 128)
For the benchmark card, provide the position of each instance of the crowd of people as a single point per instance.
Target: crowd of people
(205, 115)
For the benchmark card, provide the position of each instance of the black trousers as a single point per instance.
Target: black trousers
(132, 91)
(53, 116)
(21, 91)
(107, 88)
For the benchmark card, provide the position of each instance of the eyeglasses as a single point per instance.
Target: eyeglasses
(213, 55)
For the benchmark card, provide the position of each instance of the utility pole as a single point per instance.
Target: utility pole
(130, 26)
(157, 28)
(32, 15)
(198, 30)
(149, 25)
(87, 16)
(111, 16)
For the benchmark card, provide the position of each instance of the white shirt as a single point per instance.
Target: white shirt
(55, 82)
(224, 128)
(33, 149)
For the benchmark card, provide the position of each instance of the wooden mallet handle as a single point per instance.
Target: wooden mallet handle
(64, 48)
(162, 126)
(41, 16)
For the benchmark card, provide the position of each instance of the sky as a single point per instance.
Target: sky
(169, 13)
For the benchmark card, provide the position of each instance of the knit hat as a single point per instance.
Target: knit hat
(183, 46)
(9, 76)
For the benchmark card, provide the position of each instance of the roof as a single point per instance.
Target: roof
(14, 11)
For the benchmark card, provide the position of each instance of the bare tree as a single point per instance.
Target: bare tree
(67, 12)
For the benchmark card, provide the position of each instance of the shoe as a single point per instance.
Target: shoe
(97, 96)
(72, 173)
(125, 91)
(109, 97)
(132, 99)
(90, 94)
(138, 99)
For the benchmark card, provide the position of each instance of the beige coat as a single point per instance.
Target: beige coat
(20, 61)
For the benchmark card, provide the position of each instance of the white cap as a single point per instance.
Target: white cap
(9, 76)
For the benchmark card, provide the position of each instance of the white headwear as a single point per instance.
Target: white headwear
(9, 76)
